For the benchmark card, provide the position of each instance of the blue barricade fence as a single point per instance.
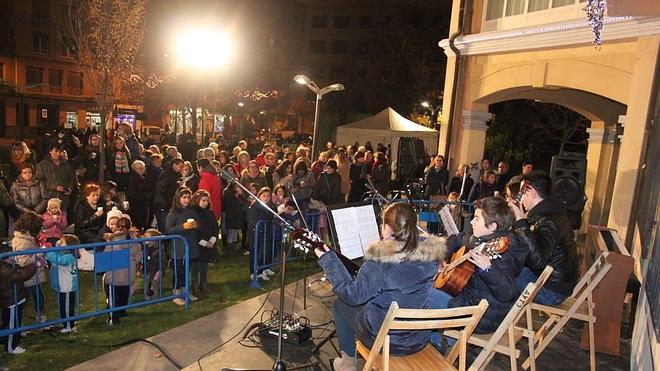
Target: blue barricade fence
(428, 212)
(267, 241)
(111, 259)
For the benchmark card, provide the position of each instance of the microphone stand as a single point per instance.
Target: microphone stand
(303, 217)
(279, 364)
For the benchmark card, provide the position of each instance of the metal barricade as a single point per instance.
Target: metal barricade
(108, 258)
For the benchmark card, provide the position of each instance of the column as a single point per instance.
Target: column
(473, 137)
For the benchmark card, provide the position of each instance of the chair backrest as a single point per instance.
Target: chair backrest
(515, 313)
(396, 318)
(595, 273)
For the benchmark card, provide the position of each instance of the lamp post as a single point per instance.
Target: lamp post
(320, 92)
(434, 110)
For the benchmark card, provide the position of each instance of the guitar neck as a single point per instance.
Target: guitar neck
(457, 262)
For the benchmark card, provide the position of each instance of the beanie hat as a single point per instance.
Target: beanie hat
(55, 202)
(114, 213)
(332, 164)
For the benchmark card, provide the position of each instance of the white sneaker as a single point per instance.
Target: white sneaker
(246, 253)
(192, 297)
(264, 276)
(17, 350)
(67, 330)
(179, 301)
(269, 272)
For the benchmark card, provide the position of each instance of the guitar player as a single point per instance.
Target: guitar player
(494, 277)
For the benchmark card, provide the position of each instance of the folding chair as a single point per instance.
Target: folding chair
(422, 319)
(507, 335)
(578, 306)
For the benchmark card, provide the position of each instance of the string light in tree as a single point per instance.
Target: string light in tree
(257, 95)
(152, 81)
(595, 14)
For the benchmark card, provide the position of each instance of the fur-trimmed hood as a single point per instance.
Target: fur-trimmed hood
(429, 249)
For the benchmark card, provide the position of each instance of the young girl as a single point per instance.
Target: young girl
(64, 279)
(119, 165)
(54, 222)
(400, 268)
(207, 232)
(181, 221)
(279, 197)
(261, 244)
(117, 283)
(11, 283)
(188, 177)
(26, 231)
(154, 263)
(234, 211)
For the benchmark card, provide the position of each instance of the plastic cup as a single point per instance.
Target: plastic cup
(99, 208)
(190, 220)
(125, 203)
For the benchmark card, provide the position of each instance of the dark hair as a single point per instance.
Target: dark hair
(108, 185)
(496, 210)
(70, 239)
(203, 162)
(263, 190)
(300, 165)
(514, 185)
(540, 181)
(527, 162)
(25, 165)
(402, 218)
(489, 172)
(359, 155)
(281, 168)
(198, 196)
(176, 161)
(55, 145)
(123, 224)
(278, 187)
(290, 203)
(181, 191)
(30, 223)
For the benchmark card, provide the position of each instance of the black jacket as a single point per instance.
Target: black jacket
(207, 227)
(165, 188)
(234, 209)
(88, 227)
(496, 285)
(548, 235)
(174, 225)
(436, 181)
(481, 190)
(10, 276)
(455, 186)
(381, 177)
(328, 189)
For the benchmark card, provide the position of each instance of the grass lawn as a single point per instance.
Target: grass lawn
(50, 350)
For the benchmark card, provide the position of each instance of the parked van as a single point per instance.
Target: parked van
(152, 132)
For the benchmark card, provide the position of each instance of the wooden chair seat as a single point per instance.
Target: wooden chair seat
(426, 359)
(482, 340)
(582, 312)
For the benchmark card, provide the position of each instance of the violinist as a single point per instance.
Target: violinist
(494, 273)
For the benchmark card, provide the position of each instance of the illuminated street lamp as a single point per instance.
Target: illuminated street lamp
(204, 48)
(434, 110)
(320, 92)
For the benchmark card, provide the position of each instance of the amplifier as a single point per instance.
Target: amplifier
(295, 335)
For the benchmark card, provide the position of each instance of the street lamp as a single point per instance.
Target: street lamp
(434, 110)
(320, 92)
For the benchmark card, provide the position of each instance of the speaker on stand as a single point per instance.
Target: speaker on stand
(568, 173)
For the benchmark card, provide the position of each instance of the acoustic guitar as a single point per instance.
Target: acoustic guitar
(456, 275)
(307, 240)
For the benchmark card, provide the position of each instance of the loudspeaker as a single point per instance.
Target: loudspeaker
(568, 172)
(410, 158)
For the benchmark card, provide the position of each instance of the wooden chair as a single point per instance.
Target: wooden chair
(578, 306)
(508, 334)
(422, 319)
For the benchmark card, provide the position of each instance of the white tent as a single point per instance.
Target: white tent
(384, 127)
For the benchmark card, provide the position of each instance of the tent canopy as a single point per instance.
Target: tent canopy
(384, 127)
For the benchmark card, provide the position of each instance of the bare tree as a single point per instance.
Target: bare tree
(104, 36)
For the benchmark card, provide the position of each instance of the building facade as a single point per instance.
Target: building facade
(42, 86)
(543, 50)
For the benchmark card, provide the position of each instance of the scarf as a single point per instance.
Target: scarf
(121, 163)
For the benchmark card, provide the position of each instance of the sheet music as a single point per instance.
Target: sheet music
(347, 232)
(366, 225)
(448, 221)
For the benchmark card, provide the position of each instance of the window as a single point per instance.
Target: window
(362, 48)
(319, 21)
(342, 21)
(515, 7)
(40, 9)
(34, 75)
(536, 5)
(40, 42)
(365, 21)
(558, 3)
(68, 48)
(317, 46)
(74, 82)
(55, 81)
(339, 47)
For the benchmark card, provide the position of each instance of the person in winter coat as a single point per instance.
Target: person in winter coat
(119, 164)
(26, 232)
(400, 268)
(328, 186)
(64, 279)
(20, 156)
(89, 216)
(485, 188)
(154, 262)
(188, 177)
(457, 185)
(437, 178)
(28, 193)
(91, 158)
(117, 283)
(210, 182)
(319, 165)
(548, 237)
(55, 222)
(57, 175)
(207, 234)
(494, 279)
(167, 184)
(303, 183)
(381, 174)
(357, 174)
(235, 210)
(140, 196)
(283, 174)
(260, 243)
(12, 299)
(252, 174)
(181, 221)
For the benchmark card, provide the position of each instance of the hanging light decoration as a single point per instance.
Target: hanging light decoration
(595, 10)
(152, 81)
(256, 94)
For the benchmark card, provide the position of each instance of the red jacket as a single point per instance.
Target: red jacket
(210, 182)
